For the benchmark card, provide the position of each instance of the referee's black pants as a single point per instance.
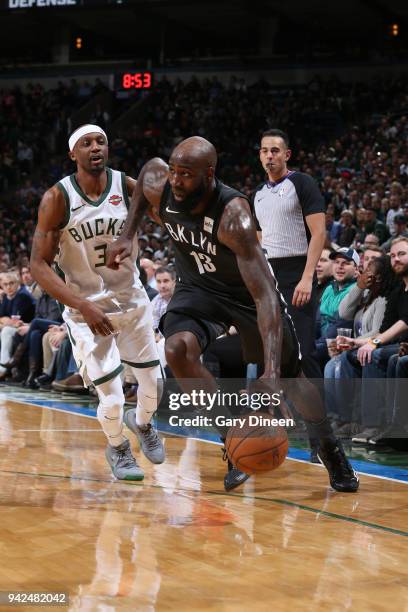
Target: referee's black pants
(288, 272)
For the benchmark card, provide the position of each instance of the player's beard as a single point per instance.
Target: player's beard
(193, 199)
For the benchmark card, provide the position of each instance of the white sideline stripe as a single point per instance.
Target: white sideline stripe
(318, 465)
(26, 403)
(197, 439)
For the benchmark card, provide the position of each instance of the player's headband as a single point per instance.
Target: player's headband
(85, 129)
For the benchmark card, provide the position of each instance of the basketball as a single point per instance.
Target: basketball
(257, 448)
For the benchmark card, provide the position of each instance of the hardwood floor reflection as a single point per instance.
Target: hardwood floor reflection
(177, 541)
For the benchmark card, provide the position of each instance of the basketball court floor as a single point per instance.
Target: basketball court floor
(176, 541)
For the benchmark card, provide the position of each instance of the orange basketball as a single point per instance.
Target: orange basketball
(254, 447)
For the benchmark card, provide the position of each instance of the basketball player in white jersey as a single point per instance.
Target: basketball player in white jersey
(108, 314)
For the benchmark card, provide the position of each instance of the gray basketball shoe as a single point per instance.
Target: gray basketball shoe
(122, 462)
(149, 440)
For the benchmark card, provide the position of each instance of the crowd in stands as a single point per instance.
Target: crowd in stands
(352, 138)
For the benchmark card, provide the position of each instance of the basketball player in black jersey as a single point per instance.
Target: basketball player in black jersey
(223, 279)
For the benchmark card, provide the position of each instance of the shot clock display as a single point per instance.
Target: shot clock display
(128, 81)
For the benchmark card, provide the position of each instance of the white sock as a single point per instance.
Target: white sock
(110, 410)
(145, 409)
(147, 398)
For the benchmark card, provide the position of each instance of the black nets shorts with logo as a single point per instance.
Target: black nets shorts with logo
(207, 316)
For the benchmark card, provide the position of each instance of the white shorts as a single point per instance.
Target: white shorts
(101, 358)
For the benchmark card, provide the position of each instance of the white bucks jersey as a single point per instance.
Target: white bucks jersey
(88, 229)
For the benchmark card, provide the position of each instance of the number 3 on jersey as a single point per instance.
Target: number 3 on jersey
(101, 251)
(204, 263)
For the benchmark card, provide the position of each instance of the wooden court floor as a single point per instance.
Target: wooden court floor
(177, 541)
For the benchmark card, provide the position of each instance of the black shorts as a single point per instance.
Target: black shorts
(208, 315)
(288, 272)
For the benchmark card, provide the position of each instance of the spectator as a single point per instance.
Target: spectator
(372, 356)
(148, 266)
(157, 244)
(333, 228)
(396, 433)
(395, 208)
(143, 241)
(366, 301)
(28, 282)
(400, 224)
(371, 240)
(345, 264)
(47, 313)
(166, 283)
(365, 304)
(67, 378)
(324, 272)
(360, 224)
(348, 230)
(369, 254)
(51, 342)
(16, 302)
(374, 226)
(25, 157)
(151, 293)
(16, 308)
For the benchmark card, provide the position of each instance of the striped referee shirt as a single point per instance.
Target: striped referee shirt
(280, 209)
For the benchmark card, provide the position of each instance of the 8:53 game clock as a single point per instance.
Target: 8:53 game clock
(133, 81)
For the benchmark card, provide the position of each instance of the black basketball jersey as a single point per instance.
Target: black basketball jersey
(201, 260)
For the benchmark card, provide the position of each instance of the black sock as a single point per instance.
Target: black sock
(321, 430)
(314, 443)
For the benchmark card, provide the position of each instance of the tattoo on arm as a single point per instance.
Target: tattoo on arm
(45, 245)
(146, 195)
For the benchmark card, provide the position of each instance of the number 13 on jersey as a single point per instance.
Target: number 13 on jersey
(204, 263)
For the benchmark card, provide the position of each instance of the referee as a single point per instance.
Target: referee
(290, 216)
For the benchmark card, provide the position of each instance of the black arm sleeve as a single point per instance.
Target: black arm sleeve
(308, 192)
